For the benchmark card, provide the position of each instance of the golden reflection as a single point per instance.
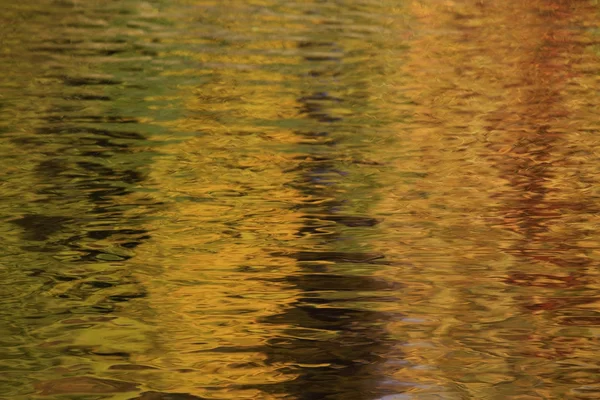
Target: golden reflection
(300, 200)
(497, 228)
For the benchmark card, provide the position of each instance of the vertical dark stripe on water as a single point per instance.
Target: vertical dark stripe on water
(345, 365)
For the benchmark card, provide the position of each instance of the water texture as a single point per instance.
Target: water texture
(265, 199)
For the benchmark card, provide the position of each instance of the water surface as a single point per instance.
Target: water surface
(370, 200)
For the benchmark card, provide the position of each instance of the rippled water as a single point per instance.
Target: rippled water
(262, 199)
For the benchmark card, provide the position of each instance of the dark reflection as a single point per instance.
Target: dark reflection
(346, 365)
(83, 385)
(167, 396)
(92, 183)
(362, 258)
(40, 227)
(75, 220)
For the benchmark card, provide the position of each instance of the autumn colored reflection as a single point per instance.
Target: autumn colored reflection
(370, 200)
(499, 221)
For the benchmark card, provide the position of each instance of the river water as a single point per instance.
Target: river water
(263, 199)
